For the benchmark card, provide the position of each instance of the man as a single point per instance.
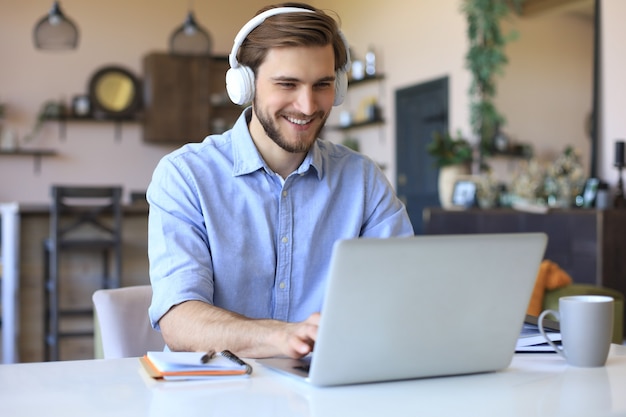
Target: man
(242, 225)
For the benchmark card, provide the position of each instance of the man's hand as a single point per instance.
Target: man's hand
(197, 326)
(299, 338)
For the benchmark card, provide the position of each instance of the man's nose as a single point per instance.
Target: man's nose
(305, 102)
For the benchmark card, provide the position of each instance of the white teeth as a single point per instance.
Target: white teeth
(298, 121)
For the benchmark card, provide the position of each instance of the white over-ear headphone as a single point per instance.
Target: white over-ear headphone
(240, 78)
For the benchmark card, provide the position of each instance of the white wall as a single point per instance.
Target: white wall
(613, 84)
(547, 89)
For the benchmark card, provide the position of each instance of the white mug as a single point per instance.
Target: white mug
(586, 323)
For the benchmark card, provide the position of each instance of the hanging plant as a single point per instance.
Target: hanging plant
(486, 60)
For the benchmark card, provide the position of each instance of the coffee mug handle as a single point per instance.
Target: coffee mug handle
(544, 313)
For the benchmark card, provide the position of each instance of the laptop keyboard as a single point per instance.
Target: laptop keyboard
(304, 364)
(303, 367)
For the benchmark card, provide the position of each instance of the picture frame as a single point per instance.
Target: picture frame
(81, 106)
(590, 192)
(464, 193)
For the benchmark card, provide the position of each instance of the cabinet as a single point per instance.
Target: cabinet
(588, 244)
(185, 98)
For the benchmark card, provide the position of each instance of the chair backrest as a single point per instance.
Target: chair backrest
(76, 208)
(122, 325)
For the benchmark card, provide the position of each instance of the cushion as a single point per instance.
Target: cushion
(549, 277)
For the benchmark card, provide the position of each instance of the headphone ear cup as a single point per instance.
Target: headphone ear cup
(341, 87)
(240, 84)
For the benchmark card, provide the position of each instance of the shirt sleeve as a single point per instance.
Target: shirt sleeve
(178, 247)
(386, 214)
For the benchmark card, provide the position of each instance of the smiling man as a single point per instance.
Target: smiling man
(242, 225)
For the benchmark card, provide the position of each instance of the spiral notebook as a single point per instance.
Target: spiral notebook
(173, 366)
(422, 306)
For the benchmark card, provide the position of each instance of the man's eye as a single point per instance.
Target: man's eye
(286, 85)
(325, 85)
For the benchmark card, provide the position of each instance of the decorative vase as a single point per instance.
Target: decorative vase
(448, 176)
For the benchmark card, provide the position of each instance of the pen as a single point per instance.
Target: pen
(207, 356)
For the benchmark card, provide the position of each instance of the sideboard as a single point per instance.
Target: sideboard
(589, 244)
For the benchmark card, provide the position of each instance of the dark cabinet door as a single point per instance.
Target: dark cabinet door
(176, 98)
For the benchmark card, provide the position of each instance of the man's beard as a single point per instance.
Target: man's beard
(272, 131)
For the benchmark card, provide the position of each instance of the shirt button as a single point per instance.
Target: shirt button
(285, 239)
(284, 193)
(282, 285)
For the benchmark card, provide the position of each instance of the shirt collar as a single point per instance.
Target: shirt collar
(247, 159)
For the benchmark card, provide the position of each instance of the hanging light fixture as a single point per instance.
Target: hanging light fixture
(55, 31)
(190, 38)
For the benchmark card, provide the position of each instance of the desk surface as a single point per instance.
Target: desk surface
(533, 385)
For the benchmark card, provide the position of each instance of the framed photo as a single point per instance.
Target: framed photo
(590, 192)
(81, 106)
(464, 193)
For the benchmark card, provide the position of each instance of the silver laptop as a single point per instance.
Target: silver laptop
(422, 306)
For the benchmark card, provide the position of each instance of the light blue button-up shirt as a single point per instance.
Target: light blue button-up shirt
(226, 230)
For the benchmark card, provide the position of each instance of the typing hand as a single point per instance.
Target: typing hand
(300, 337)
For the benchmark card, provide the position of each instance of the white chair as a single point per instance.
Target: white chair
(122, 326)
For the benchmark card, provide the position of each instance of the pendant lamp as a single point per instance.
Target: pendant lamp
(190, 38)
(55, 31)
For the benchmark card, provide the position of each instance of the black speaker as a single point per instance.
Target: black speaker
(619, 153)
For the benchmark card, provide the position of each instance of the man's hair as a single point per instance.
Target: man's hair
(289, 30)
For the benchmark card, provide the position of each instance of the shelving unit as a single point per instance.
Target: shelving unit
(377, 120)
(366, 131)
(118, 121)
(357, 125)
(367, 79)
(37, 154)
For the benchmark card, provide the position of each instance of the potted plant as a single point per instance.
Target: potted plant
(448, 150)
(49, 110)
(453, 156)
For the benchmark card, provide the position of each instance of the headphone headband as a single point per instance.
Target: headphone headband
(240, 78)
(255, 22)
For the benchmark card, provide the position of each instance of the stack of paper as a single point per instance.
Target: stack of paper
(189, 365)
(531, 339)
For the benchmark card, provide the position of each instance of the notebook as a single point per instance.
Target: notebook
(531, 339)
(422, 306)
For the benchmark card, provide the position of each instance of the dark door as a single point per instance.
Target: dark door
(420, 110)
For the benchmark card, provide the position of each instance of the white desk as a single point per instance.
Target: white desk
(10, 280)
(534, 385)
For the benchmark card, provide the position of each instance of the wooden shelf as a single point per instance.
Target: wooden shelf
(374, 119)
(515, 152)
(37, 154)
(118, 120)
(357, 125)
(377, 77)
